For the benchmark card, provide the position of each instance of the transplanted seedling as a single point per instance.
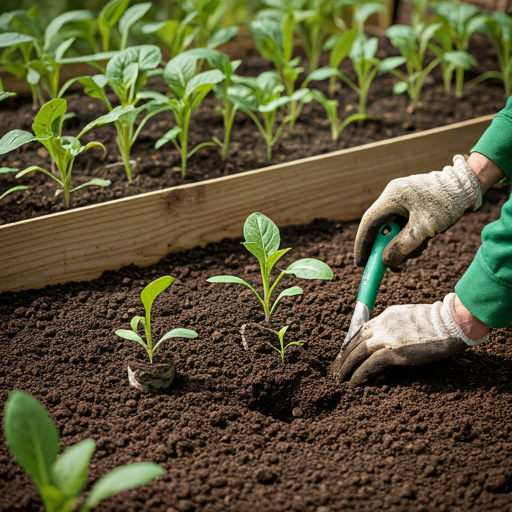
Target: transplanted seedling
(63, 149)
(148, 295)
(262, 239)
(34, 441)
(282, 347)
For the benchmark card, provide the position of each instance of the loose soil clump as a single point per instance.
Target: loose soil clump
(240, 431)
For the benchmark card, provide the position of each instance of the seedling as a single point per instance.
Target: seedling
(282, 348)
(188, 89)
(340, 47)
(262, 239)
(126, 74)
(63, 149)
(498, 28)
(331, 108)
(43, 72)
(459, 20)
(148, 295)
(263, 95)
(412, 44)
(34, 441)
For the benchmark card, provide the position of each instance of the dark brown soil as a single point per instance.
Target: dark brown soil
(311, 136)
(239, 430)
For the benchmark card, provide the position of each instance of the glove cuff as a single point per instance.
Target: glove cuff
(448, 315)
(468, 181)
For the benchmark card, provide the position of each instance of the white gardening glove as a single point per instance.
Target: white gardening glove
(401, 336)
(431, 203)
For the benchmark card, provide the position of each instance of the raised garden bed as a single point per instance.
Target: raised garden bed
(241, 430)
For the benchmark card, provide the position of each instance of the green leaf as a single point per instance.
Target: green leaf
(34, 168)
(152, 290)
(370, 48)
(121, 479)
(364, 11)
(170, 135)
(109, 16)
(14, 139)
(33, 76)
(221, 36)
(179, 71)
(9, 39)
(261, 236)
(112, 116)
(322, 73)
(63, 48)
(98, 182)
(88, 58)
(131, 16)
(275, 257)
(207, 78)
(152, 95)
(5, 170)
(227, 279)
(176, 333)
(31, 436)
(460, 59)
(310, 268)
(48, 121)
(54, 499)
(131, 336)
(199, 146)
(4, 95)
(54, 27)
(400, 88)
(135, 321)
(342, 47)
(13, 189)
(289, 292)
(72, 467)
(390, 63)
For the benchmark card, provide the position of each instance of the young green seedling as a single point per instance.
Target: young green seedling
(148, 296)
(331, 108)
(358, 12)
(263, 95)
(498, 28)
(63, 149)
(33, 439)
(43, 72)
(412, 45)
(262, 239)
(459, 21)
(282, 347)
(188, 89)
(126, 74)
(340, 46)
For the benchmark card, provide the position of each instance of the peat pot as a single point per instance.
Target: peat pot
(151, 377)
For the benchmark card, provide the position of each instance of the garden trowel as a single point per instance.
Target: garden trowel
(370, 282)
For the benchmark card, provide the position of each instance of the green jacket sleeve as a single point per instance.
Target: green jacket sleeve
(486, 287)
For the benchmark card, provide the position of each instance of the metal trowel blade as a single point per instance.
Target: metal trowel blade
(362, 313)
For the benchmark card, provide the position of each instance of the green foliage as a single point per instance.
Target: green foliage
(188, 88)
(262, 239)
(358, 12)
(37, 56)
(34, 441)
(340, 47)
(458, 22)
(47, 128)
(4, 94)
(282, 347)
(412, 44)
(126, 74)
(264, 96)
(175, 34)
(148, 296)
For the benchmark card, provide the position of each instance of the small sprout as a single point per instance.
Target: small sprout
(148, 295)
(262, 239)
(33, 439)
(283, 347)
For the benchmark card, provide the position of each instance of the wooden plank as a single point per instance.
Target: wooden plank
(82, 243)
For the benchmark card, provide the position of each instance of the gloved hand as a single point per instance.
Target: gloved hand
(432, 203)
(401, 336)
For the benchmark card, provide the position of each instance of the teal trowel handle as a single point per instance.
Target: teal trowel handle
(375, 269)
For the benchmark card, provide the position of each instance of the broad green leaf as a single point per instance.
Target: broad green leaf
(121, 479)
(72, 467)
(342, 47)
(132, 15)
(322, 73)
(152, 95)
(13, 39)
(390, 63)
(48, 121)
(170, 135)
(14, 139)
(152, 290)
(370, 48)
(221, 36)
(54, 27)
(107, 118)
(400, 87)
(401, 34)
(364, 11)
(282, 332)
(31, 436)
(289, 292)
(176, 333)
(13, 189)
(309, 268)
(155, 26)
(275, 257)
(262, 235)
(228, 279)
(54, 499)
(135, 321)
(33, 76)
(179, 71)
(131, 336)
(461, 59)
(283, 100)
(211, 77)
(98, 182)
(63, 48)
(243, 98)
(87, 58)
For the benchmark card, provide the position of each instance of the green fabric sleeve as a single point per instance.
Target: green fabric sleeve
(486, 287)
(496, 142)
